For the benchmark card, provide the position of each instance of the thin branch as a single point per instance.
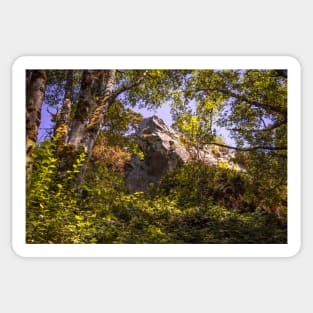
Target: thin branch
(248, 149)
(266, 129)
(51, 113)
(264, 124)
(244, 98)
(129, 85)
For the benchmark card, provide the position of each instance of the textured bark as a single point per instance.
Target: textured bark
(96, 121)
(90, 88)
(63, 118)
(35, 92)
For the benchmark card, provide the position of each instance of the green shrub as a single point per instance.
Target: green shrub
(196, 203)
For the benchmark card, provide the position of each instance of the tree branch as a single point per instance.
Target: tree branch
(266, 129)
(244, 98)
(129, 86)
(248, 149)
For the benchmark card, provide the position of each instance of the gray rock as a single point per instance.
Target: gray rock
(163, 151)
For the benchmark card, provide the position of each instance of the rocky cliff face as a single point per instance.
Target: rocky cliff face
(163, 151)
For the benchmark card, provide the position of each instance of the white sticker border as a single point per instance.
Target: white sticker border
(156, 250)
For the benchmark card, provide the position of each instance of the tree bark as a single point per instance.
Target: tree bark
(35, 92)
(90, 87)
(63, 118)
(91, 131)
(96, 121)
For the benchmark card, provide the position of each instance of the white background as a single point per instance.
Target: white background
(155, 28)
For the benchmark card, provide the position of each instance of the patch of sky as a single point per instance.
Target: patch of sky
(164, 112)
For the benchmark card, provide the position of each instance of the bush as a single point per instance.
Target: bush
(194, 184)
(194, 204)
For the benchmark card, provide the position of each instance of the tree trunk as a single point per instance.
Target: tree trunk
(63, 118)
(36, 85)
(93, 128)
(90, 85)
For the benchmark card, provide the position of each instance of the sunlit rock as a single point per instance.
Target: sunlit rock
(164, 151)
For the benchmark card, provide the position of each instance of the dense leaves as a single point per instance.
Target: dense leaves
(195, 204)
(77, 193)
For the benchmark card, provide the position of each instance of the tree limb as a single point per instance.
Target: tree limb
(266, 129)
(128, 86)
(248, 149)
(244, 98)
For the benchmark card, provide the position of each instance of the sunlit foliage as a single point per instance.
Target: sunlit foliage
(78, 196)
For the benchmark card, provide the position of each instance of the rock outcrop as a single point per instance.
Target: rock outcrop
(163, 151)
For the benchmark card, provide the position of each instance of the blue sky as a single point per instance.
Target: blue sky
(164, 112)
(46, 125)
